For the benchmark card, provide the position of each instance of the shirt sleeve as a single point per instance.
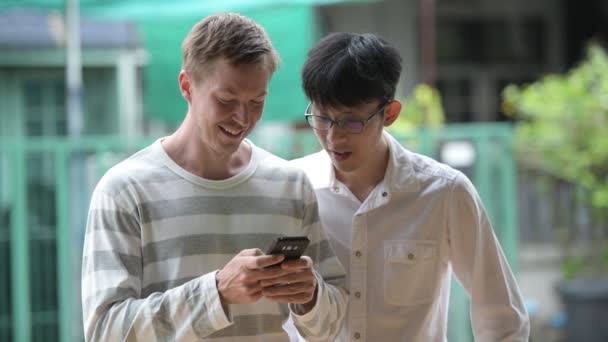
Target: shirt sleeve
(324, 321)
(112, 272)
(497, 308)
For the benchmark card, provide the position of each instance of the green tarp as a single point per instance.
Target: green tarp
(162, 25)
(291, 30)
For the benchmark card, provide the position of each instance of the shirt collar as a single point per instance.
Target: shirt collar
(400, 173)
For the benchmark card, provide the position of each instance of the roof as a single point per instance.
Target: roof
(28, 28)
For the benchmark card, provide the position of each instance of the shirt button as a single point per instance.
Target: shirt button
(358, 294)
(358, 254)
(336, 189)
(384, 194)
(410, 256)
(357, 336)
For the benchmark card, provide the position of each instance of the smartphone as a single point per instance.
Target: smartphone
(291, 246)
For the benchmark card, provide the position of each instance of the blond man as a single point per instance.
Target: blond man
(172, 247)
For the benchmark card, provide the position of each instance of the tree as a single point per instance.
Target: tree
(562, 128)
(422, 110)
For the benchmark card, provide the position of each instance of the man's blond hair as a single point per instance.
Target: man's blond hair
(232, 36)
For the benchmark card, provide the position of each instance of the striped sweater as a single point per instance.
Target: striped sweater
(156, 235)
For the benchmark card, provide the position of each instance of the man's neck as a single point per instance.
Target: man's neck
(187, 150)
(362, 181)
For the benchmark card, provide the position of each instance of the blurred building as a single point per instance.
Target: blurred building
(474, 48)
(469, 49)
(32, 75)
(480, 45)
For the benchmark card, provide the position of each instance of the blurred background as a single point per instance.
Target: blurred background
(513, 93)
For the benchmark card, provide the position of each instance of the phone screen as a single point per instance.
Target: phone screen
(291, 246)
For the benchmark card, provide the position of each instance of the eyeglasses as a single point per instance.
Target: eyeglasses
(323, 123)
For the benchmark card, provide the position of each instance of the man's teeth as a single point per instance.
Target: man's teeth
(233, 132)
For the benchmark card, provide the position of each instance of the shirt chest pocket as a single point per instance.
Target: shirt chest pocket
(410, 271)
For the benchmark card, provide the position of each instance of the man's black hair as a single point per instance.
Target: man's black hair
(347, 69)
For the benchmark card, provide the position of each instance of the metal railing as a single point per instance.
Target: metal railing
(40, 253)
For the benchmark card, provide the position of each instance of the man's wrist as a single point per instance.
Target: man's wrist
(307, 307)
(219, 292)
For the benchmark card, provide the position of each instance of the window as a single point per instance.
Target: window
(491, 40)
(479, 53)
(455, 98)
(44, 108)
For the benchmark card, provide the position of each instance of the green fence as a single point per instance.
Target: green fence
(45, 186)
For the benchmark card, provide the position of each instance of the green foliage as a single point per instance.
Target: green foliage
(423, 109)
(573, 266)
(562, 128)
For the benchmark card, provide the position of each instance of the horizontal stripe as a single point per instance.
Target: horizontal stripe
(179, 188)
(163, 286)
(251, 325)
(261, 307)
(113, 220)
(112, 261)
(184, 267)
(311, 215)
(276, 337)
(220, 205)
(115, 241)
(102, 281)
(221, 224)
(279, 173)
(204, 244)
(319, 252)
(121, 177)
(274, 189)
(114, 294)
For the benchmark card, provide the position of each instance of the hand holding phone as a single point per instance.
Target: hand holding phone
(299, 285)
(292, 247)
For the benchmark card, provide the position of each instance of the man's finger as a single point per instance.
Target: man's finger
(251, 252)
(299, 298)
(262, 261)
(288, 289)
(270, 272)
(302, 263)
(287, 278)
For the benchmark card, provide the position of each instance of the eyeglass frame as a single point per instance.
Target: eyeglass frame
(341, 123)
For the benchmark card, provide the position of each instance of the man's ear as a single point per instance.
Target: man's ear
(391, 113)
(185, 86)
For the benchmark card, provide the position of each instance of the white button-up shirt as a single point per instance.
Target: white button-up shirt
(400, 246)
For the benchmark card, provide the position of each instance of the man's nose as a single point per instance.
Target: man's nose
(241, 115)
(336, 132)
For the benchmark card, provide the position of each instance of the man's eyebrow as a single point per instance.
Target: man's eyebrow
(232, 92)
